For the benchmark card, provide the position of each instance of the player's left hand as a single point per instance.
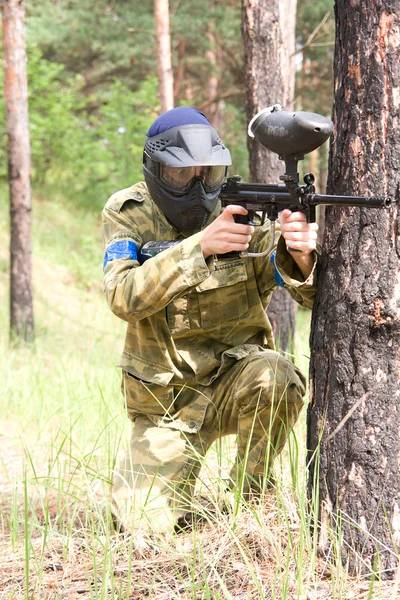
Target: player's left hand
(300, 236)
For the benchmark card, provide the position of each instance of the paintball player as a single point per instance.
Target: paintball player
(199, 360)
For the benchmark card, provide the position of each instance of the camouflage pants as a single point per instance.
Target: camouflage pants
(259, 399)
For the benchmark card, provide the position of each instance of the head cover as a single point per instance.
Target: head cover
(184, 166)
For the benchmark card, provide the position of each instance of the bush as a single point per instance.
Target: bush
(83, 148)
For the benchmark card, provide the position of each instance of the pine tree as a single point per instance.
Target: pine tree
(164, 62)
(16, 107)
(269, 39)
(355, 367)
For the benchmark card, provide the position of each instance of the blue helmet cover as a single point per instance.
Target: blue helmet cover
(184, 137)
(176, 117)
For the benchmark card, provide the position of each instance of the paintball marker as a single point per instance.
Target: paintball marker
(291, 135)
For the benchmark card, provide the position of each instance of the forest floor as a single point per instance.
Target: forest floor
(62, 551)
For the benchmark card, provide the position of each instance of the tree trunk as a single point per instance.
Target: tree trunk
(180, 70)
(163, 49)
(269, 40)
(16, 108)
(355, 367)
(215, 105)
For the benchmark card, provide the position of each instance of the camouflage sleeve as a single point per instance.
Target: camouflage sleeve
(135, 291)
(302, 290)
(279, 269)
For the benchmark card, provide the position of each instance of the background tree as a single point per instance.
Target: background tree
(355, 337)
(315, 34)
(269, 50)
(16, 110)
(163, 48)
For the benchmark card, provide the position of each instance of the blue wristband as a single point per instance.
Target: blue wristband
(278, 277)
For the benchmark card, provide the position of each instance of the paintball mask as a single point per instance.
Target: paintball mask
(184, 165)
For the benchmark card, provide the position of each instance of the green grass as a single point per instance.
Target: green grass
(63, 427)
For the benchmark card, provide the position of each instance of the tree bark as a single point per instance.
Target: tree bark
(269, 41)
(355, 340)
(16, 108)
(163, 49)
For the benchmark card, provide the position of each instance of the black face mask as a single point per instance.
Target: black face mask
(189, 211)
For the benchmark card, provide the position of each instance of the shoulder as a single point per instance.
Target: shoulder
(136, 195)
(132, 206)
(128, 214)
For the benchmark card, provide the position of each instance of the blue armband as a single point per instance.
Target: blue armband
(121, 249)
(278, 277)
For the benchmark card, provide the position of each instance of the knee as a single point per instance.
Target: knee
(295, 386)
(270, 378)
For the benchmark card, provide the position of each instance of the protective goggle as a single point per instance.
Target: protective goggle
(181, 178)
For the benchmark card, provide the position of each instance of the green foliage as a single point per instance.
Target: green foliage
(93, 87)
(100, 41)
(93, 90)
(314, 80)
(95, 38)
(97, 153)
(53, 108)
(214, 26)
(121, 124)
(235, 137)
(77, 153)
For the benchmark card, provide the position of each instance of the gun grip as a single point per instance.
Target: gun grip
(309, 211)
(245, 219)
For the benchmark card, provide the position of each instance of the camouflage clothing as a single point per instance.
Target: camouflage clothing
(199, 358)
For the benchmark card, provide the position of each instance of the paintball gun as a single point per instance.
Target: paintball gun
(291, 135)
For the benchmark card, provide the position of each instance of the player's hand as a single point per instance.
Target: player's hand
(299, 235)
(224, 235)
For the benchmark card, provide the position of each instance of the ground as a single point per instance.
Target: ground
(65, 547)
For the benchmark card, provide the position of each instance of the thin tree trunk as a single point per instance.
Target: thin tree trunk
(16, 105)
(355, 367)
(214, 106)
(264, 78)
(163, 48)
(269, 39)
(287, 20)
(180, 70)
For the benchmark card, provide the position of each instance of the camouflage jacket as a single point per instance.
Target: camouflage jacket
(189, 318)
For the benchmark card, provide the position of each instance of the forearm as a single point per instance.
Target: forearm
(305, 262)
(135, 292)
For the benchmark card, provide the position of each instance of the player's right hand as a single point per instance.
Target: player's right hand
(225, 235)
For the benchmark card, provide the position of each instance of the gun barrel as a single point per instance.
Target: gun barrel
(360, 201)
